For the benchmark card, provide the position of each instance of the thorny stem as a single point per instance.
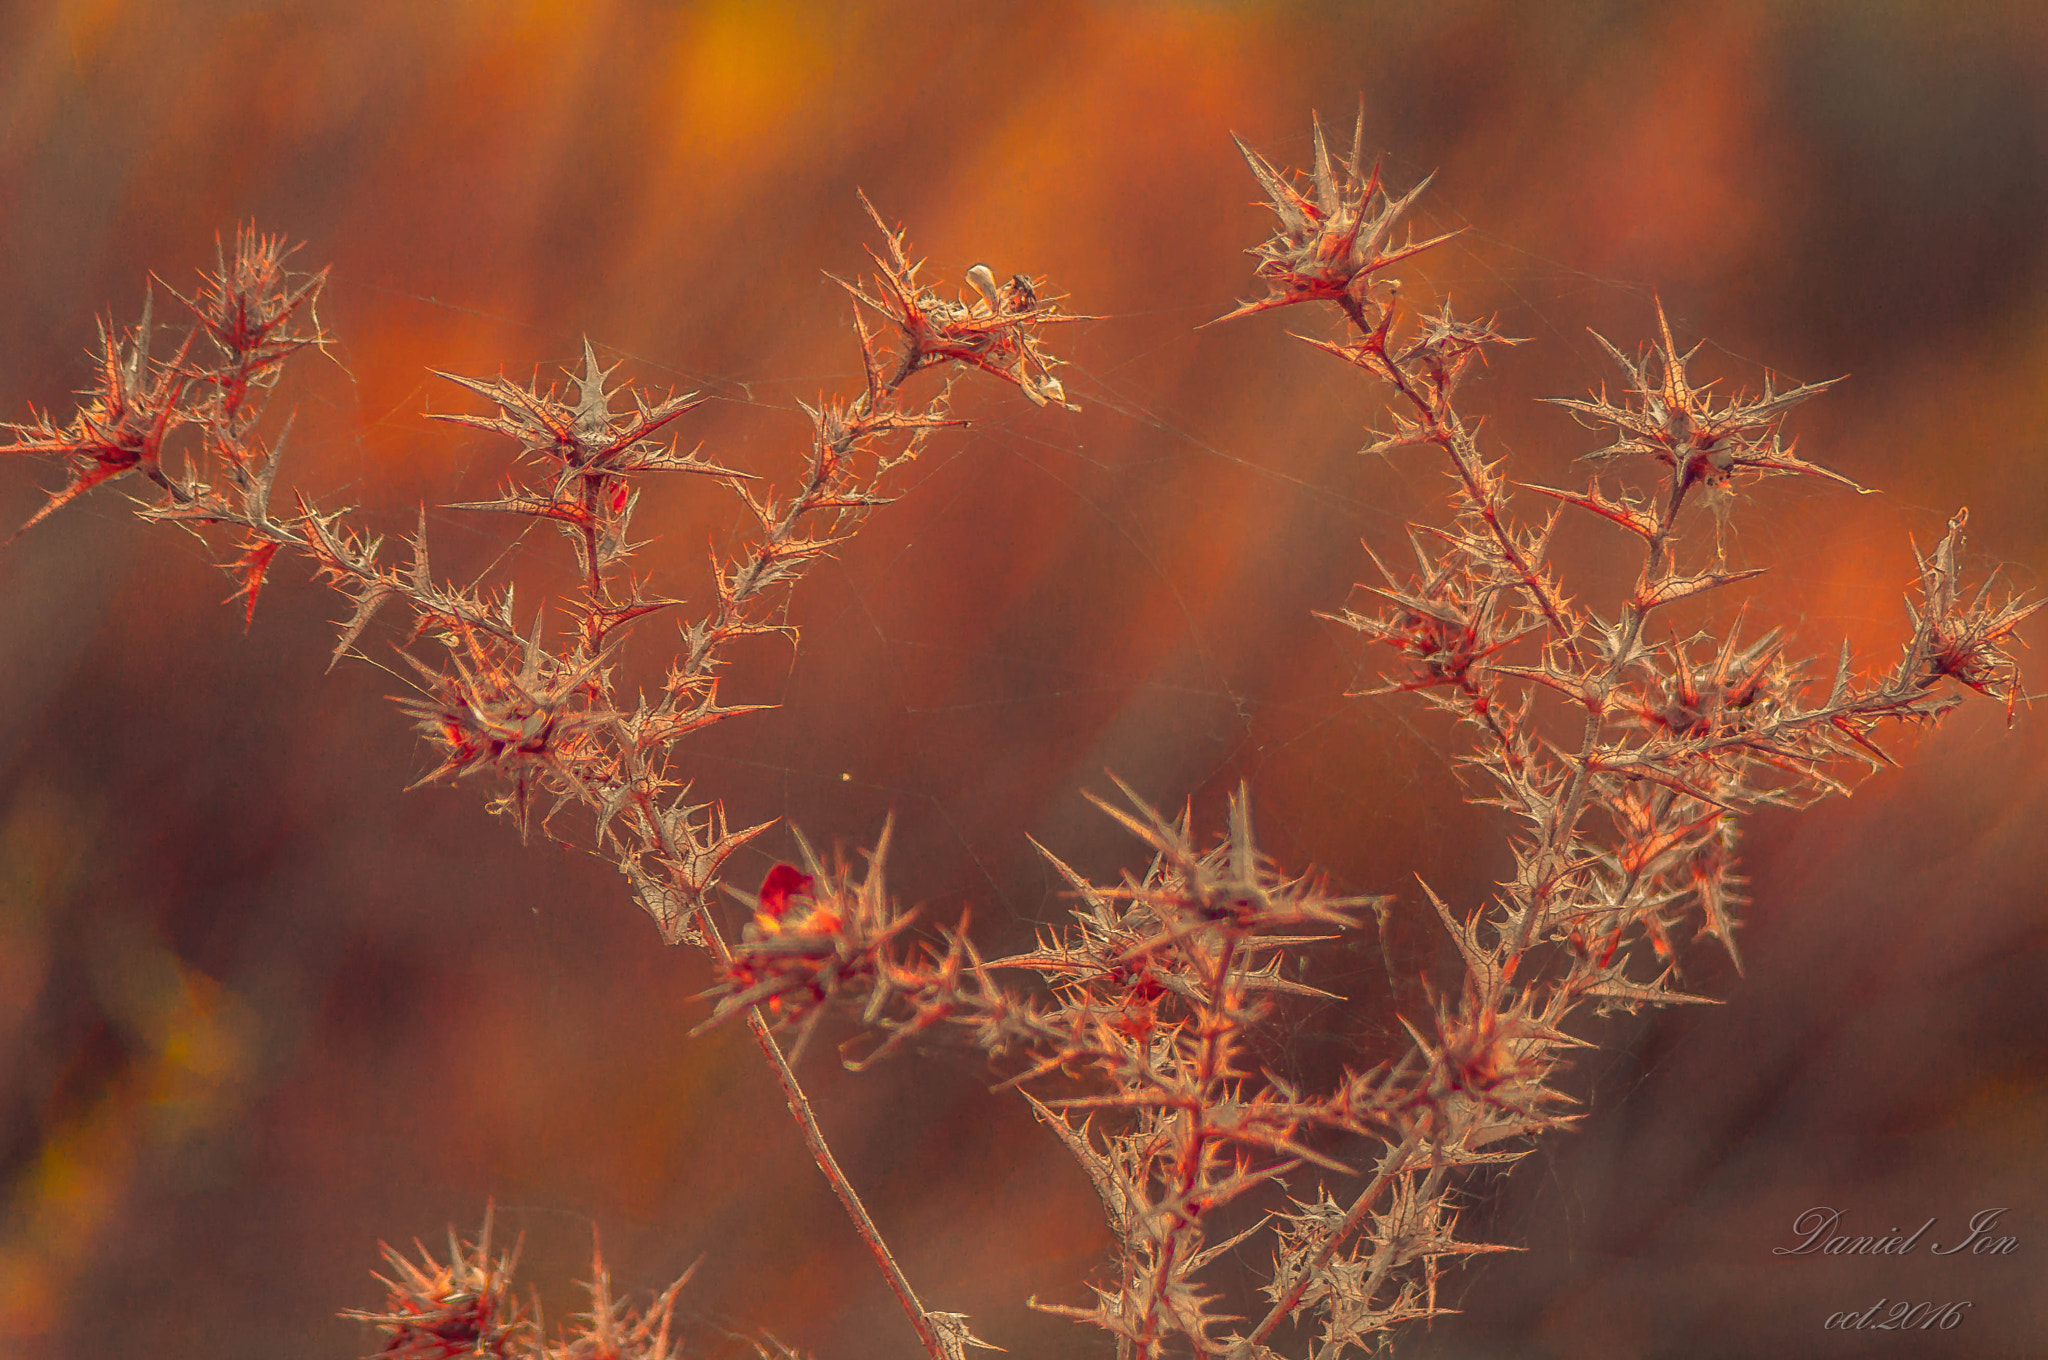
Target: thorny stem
(1383, 1259)
(1482, 705)
(747, 584)
(731, 608)
(1627, 633)
(839, 439)
(594, 583)
(799, 1106)
(821, 1153)
(1442, 427)
(1215, 1030)
(1452, 437)
(1392, 1166)
(1432, 1187)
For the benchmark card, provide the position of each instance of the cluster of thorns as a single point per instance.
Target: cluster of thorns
(1622, 759)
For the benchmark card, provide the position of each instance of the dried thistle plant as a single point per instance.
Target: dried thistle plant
(1625, 761)
(529, 708)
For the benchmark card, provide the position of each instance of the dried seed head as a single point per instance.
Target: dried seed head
(1000, 336)
(1335, 237)
(435, 1310)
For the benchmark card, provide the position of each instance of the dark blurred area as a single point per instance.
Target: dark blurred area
(259, 1010)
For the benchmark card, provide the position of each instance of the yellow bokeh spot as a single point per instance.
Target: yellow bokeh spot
(739, 73)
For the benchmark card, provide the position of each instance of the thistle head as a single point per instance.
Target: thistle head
(1335, 234)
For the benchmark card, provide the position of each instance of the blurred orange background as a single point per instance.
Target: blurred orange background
(258, 1010)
